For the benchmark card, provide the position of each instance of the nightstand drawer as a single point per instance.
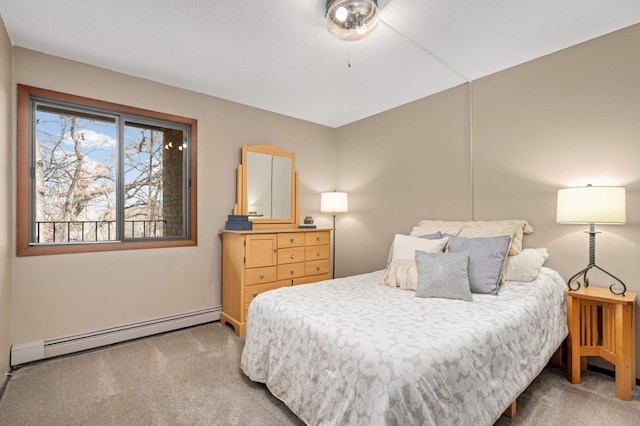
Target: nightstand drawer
(260, 275)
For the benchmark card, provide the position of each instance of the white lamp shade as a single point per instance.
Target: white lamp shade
(592, 204)
(334, 202)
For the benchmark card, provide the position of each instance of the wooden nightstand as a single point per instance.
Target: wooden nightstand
(602, 324)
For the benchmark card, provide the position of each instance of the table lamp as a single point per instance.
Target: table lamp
(592, 205)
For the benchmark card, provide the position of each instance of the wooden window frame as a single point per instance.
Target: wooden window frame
(23, 245)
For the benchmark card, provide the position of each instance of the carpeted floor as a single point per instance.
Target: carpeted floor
(192, 377)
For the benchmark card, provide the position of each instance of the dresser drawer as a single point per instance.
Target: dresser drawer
(316, 267)
(290, 239)
(250, 293)
(312, 279)
(316, 238)
(291, 271)
(260, 275)
(254, 290)
(316, 252)
(290, 255)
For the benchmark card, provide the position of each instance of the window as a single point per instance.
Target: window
(95, 176)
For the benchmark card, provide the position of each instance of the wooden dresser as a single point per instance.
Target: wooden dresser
(264, 259)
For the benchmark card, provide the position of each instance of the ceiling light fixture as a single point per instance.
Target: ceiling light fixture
(351, 20)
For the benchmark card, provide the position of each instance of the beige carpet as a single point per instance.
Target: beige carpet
(192, 377)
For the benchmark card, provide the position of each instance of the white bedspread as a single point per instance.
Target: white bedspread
(350, 351)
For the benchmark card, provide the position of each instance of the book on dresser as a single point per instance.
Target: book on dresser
(264, 259)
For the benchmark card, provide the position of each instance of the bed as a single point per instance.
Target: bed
(353, 351)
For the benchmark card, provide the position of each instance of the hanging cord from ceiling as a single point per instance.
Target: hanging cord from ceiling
(425, 51)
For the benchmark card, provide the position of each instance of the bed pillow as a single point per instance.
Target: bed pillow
(432, 226)
(486, 260)
(402, 271)
(436, 236)
(525, 267)
(404, 246)
(443, 275)
(402, 274)
(514, 227)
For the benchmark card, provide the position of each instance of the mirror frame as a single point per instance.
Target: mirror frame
(242, 207)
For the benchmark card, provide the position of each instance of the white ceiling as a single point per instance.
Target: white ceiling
(277, 55)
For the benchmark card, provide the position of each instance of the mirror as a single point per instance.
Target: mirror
(267, 186)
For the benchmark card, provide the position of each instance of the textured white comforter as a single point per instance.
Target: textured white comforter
(350, 351)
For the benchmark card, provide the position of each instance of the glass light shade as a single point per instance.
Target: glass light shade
(334, 202)
(351, 20)
(592, 204)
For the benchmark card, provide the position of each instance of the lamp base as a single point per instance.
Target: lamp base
(574, 282)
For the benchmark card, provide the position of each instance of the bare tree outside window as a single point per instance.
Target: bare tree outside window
(153, 159)
(104, 177)
(75, 162)
(99, 176)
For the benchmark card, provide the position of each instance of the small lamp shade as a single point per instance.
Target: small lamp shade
(334, 202)
(592, 204)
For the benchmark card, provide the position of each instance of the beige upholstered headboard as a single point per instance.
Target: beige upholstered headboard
(516, 228)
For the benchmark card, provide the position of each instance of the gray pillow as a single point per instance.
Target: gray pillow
(443, 275)
(486, 259)
(437, 236)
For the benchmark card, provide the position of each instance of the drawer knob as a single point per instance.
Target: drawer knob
(255, 294)
(293, 255)
(317, 268)
(317, 253)
(317, 238)
(275, 250)
(262, 276)
(291, 240)
(292, 272)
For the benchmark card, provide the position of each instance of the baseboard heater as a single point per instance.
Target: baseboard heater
(22, 353)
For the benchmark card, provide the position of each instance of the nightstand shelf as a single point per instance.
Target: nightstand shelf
(602, 324)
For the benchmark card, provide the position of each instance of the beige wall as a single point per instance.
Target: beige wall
(400, 166)
(56, 296)
(5, 199)
(567, 119)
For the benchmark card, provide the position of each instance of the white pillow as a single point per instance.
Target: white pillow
(402, 271)
(525, 267)
(405, 246)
